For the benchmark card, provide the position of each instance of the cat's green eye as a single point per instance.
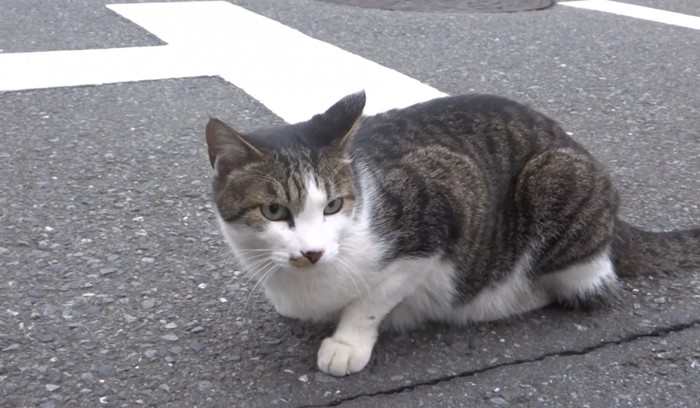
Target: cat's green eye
(274, 212)
(333, 207)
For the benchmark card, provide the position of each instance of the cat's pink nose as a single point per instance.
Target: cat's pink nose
(312, 256)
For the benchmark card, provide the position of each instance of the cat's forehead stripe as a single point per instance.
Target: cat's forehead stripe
(296, 186)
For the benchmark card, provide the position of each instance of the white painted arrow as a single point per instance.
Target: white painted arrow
(292, 74)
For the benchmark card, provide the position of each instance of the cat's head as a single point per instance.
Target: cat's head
(286, 195)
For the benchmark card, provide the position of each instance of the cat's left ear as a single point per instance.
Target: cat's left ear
(344, 116)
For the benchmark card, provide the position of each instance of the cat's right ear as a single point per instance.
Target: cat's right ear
(343, 117)
(224, 141)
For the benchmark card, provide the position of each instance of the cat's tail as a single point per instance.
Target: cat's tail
(638, 252)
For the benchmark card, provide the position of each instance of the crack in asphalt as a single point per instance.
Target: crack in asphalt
(659, 332)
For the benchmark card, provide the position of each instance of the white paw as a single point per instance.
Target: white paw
(341, 359)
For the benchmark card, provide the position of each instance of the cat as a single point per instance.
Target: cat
(460, 209)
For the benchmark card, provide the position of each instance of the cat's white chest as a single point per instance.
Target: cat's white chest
(316, 295)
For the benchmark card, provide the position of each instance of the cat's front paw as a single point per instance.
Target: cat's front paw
(339, 359)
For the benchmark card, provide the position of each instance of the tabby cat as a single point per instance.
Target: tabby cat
(459, 209)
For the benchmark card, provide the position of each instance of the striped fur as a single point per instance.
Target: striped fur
(459, 209)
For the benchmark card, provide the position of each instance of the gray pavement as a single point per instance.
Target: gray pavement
(116, 289)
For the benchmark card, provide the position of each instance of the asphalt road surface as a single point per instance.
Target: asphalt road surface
(116, 289)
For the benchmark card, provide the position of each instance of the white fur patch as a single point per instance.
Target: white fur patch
(513, 296)
(313, 231)
(432, 297)
(581, 280)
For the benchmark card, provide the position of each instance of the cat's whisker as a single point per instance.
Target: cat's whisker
(250, 263)
(221, 256)
(272, 268)
(268, 276)
(337, 170)
(264, 177)
(259, 272)
(257, 267)
(247, 258)
(339, 267)
(353, 272)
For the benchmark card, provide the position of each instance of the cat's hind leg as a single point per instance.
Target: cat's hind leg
(583, 284)
(567, 206)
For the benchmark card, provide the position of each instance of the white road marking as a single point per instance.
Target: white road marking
(34, 70)
(640, 12)
(292, 74)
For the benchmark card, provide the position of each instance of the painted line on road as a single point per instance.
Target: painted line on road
(51, 69)
(292, 74)
(640, 12)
